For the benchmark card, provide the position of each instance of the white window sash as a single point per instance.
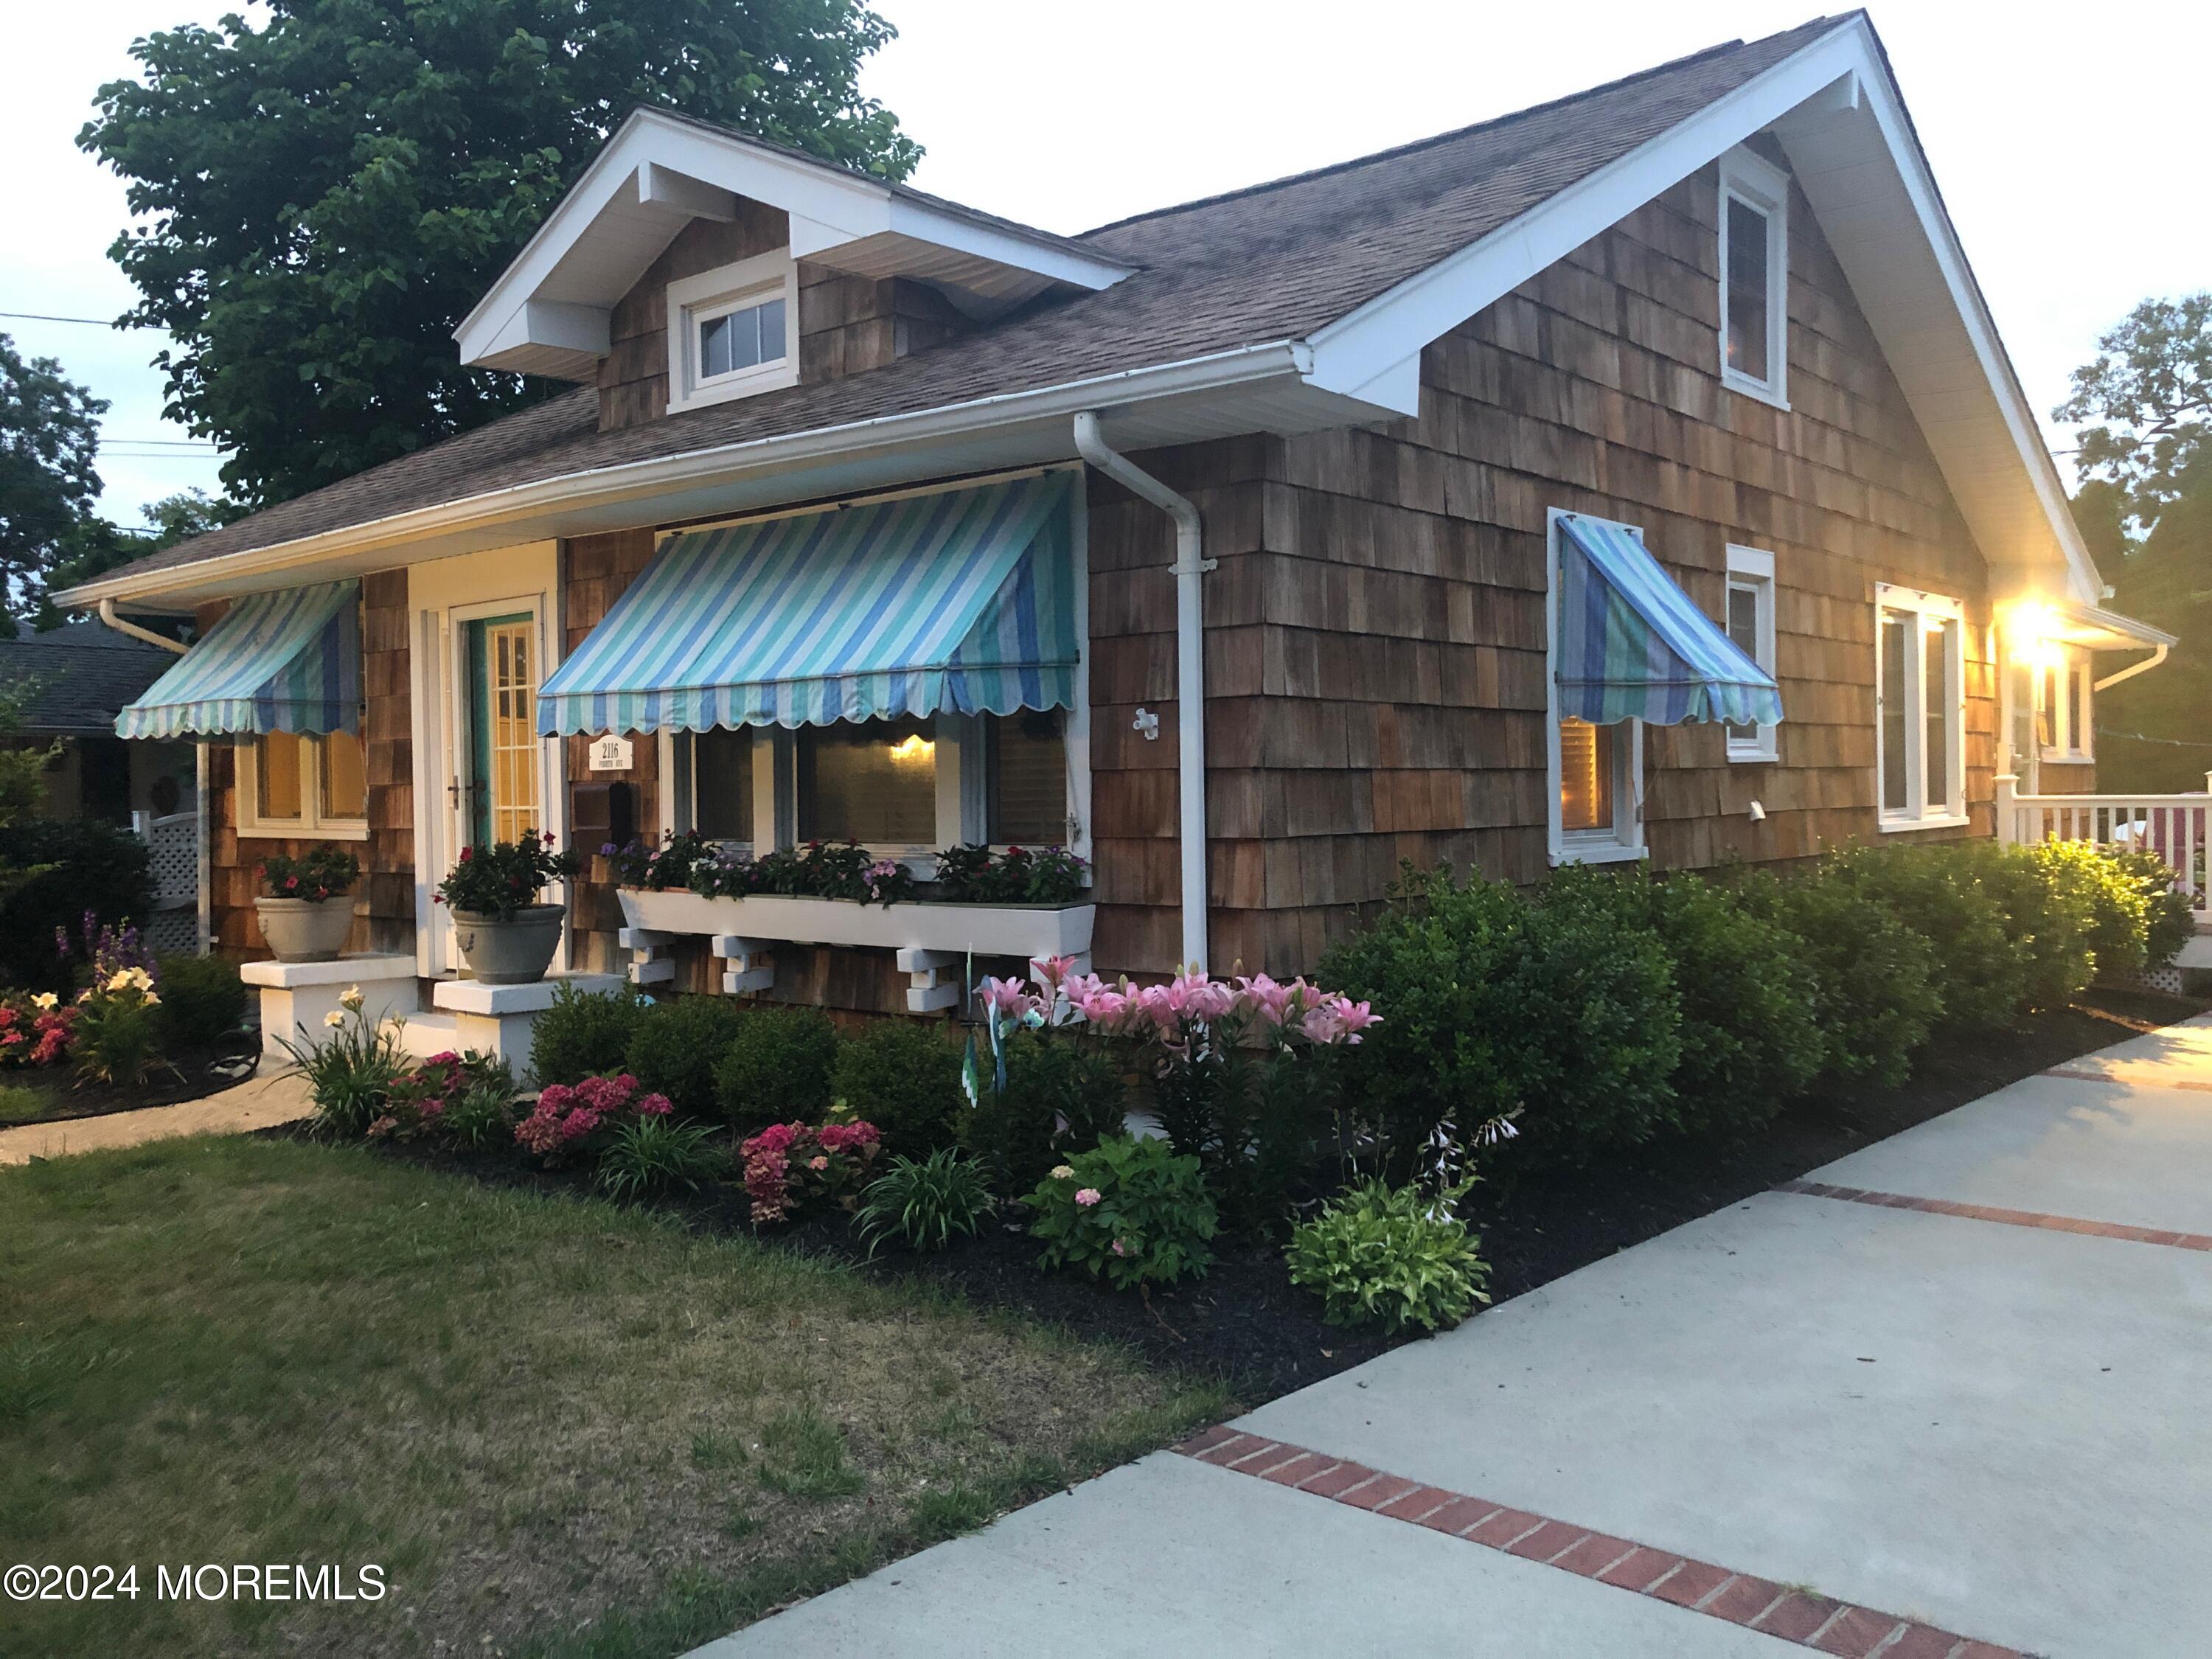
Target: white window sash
(1751, 179)
(313, 822)
(1918, 812)
(1753, 568)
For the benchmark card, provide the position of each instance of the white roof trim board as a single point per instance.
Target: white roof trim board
(1832, 103)
(548, 312)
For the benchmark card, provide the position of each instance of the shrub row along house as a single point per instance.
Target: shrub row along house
(1639, 475)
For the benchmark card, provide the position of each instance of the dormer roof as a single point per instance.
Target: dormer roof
(548, 312)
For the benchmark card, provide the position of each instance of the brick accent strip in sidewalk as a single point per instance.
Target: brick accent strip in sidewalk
(2062, 1223)
(1794, 1615)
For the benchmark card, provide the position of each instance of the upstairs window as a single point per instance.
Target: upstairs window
(1754, 264)
(1750, 625)
(733, 332)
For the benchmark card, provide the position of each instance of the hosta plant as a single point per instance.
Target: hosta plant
(1130, 1212)
(1393, 1256)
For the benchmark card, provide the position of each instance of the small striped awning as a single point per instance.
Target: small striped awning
(960, 601)
(276, 662)
(1632, 646)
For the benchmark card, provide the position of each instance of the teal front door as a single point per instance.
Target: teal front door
(503, 764)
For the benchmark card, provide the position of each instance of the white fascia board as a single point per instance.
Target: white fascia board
(1002, 246)
(1827, 81)
(665, 186)
(941, 431)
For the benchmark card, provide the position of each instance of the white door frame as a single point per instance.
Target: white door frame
(442, 597)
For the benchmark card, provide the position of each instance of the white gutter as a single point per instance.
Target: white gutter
(108, 615)
(1190, 670)
(1217, 371)
(2157, 656)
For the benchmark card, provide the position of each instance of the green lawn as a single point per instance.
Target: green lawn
(559, 1427)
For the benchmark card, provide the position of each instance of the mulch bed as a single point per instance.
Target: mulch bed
(1248, 1324)
(193, 1078)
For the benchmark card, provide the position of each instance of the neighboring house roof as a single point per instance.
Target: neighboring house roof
(86, 672)
(1288, 305)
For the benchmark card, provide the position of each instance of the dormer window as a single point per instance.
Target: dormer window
(1754, 261)
(733, 332)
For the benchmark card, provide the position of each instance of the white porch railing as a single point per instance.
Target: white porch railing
(2175, 827)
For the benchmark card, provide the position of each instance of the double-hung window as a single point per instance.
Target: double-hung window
(1920, 709)
(2062, 711)
(1754, 263)
(294, 785)
(1595, 780)
(733, 332)
(1750, 623)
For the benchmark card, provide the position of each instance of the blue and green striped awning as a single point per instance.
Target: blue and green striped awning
(960, 601)
(1632, 646)
(276, 662)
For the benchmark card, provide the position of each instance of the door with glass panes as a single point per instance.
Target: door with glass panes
(499, 782)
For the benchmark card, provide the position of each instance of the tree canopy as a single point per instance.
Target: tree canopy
(2149, 396)
(326, 197)
(49, 434)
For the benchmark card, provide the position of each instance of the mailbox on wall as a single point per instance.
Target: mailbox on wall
(602, 813)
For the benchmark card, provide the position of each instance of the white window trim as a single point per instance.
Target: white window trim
(711, 293)
(2073, 748)
(313, 823)
(962, 798)
(1754, 180)
(1625, 841)
(1752, 568)
(1920, 813)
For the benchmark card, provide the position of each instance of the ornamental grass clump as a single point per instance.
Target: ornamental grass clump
(1134, 1212)
(788, 1166)
(350, 1071)
(653, 1154)
(925, 1203)
(1391, 1256)
(580, 1121)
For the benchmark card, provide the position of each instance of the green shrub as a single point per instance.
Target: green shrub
(925, 1203)
(904, 1077)
(2170, 919)
(81, 865)
(1392, 1256)
(653, 1153)
(1873, 976)
(2048, 917)
(676, 1045)
(203, 1000)
(776, 1066)
(1980, 969)
(1563, 1008)
(1061, 1095)
(1129, 1211)
(1751, 1036)
(2114, 903)
(585, 1033)
(482, 1115)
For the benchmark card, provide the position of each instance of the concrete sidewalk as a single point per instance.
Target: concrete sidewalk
(256, 1104)
(1980, 1439)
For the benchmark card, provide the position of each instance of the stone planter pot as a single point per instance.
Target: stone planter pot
(306, 930)
(515, 951)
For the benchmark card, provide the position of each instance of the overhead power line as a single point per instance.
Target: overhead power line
(45, 317)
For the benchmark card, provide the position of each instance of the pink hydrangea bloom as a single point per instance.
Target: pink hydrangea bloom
(1088, 1196)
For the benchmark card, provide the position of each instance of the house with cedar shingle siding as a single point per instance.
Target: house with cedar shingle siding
(1640, 476)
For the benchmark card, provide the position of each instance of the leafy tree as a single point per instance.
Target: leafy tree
(2149, 393)
(329, 195)
(49, 433)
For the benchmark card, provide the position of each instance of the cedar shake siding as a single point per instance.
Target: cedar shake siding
(1375, 628)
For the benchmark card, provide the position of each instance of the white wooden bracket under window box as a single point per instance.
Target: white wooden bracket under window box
(931, 939)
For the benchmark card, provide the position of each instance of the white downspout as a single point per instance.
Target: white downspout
(2157, 656)
(1190, 670)
(108, 615)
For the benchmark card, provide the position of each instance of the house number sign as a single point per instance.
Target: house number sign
(611, 755)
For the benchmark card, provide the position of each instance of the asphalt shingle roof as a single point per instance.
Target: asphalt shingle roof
(86, 672)
(1276, 261)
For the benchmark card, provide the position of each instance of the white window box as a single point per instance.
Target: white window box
(928, 935)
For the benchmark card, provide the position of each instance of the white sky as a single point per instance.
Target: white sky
(2069, 153)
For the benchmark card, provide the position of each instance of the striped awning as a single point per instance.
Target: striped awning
(959, 601)
(276, 662)
(1632, 646)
